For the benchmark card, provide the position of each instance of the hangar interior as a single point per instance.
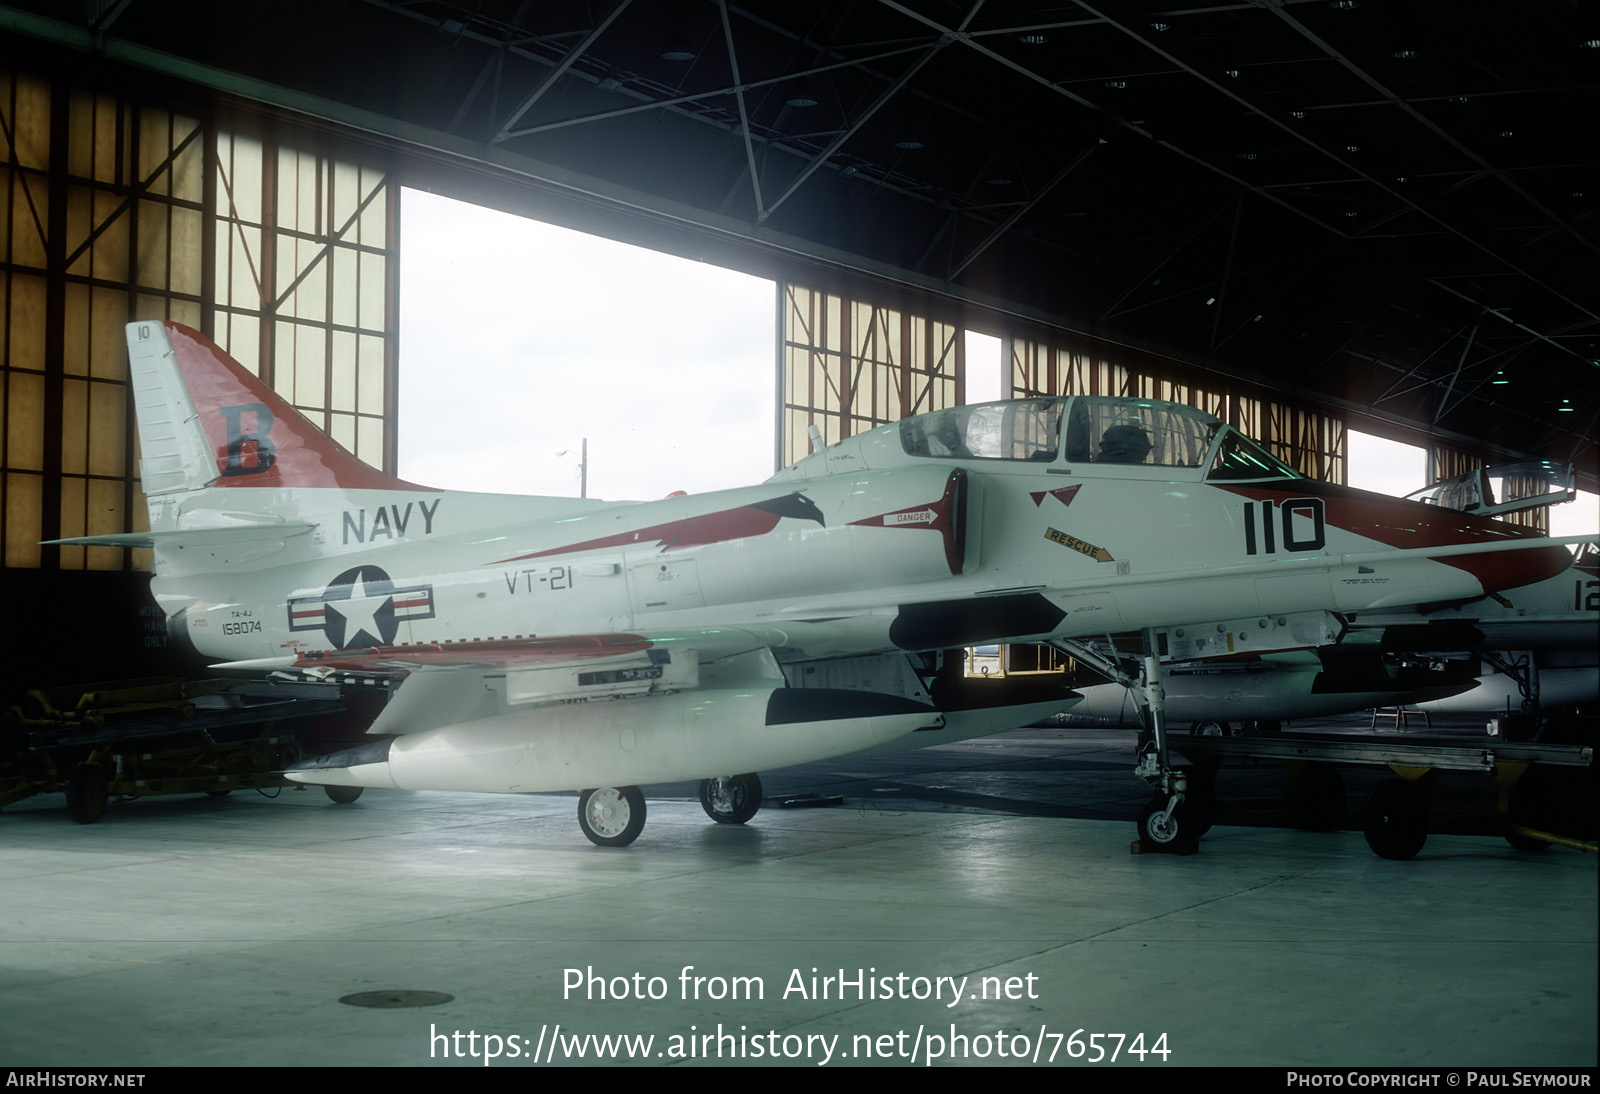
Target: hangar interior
(1304, 216)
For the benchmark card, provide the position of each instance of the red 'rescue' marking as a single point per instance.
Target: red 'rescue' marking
(301, 455)
(1396, 522)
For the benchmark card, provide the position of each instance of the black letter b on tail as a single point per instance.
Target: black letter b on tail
(248, 453)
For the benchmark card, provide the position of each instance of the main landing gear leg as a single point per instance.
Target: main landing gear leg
(1168, 822)
(1179, 814)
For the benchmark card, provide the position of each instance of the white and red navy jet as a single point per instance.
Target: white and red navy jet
(549, 644)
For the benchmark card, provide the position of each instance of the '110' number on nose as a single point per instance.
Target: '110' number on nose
(1298, 525)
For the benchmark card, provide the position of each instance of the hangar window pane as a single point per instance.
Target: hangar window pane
(152, 266)
(108, 255)
(370, 440)
(239, 178)
(75, 338)
(108, 431)
(345, 193)
(25, 421)
(155, 145)
(240, 336)
(108, 353)
(187, 312)
(71, 500)
(342, 369)
(187, 228)
(373, 226)
(851, 365)
(343, 429)
(241, 275)
(74, 428)
(188, 167)
(107, 516)
(91, 136)
(25, 339)
(29, 122)
(345, 266)
(310, 370)
(371, 373)
(24, 495)
(30, 211)
(372, 291)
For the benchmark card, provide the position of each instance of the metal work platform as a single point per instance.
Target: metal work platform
(146, 737)
(1534, 809)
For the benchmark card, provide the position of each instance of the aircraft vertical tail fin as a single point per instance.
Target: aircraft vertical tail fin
(173, 452)
(205, 421)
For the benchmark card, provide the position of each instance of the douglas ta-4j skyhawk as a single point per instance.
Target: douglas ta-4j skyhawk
(551, 644)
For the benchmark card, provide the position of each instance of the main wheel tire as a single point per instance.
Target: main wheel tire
(88, 791)
(1396, 823)
(343, 795)
(1210, 729)
(1164, 835)
(612, 816)
(734, 803)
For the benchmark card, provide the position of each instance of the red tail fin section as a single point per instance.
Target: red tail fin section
(258, 439)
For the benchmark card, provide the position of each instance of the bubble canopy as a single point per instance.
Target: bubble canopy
(1088, 429)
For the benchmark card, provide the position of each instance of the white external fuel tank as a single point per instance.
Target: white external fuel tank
(699, 734)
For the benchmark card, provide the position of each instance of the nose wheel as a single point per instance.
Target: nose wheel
(731, 800)
(1163, 825)
(612, 816)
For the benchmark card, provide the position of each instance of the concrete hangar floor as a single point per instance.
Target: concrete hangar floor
(974, 903)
